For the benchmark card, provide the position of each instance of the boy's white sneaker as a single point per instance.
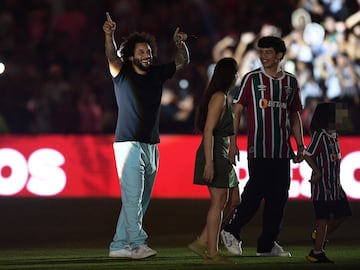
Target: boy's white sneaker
(231, 243)
(276, 251)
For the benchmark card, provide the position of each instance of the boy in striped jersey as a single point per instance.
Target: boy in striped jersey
(271, 97)
(329, 199)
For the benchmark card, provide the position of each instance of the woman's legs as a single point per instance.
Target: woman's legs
(214, 218)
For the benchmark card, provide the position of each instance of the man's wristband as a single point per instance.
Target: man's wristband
(179, 43)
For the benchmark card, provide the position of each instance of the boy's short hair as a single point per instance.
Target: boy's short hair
(272, 42)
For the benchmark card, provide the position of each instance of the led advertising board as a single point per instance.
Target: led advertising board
(75, 166)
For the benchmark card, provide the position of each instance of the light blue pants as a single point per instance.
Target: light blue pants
(136, 164)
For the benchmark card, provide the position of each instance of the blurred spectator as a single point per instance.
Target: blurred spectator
(56, 94)
(307, 114)
(72, 22)
(320, 8)
(52, 50)
(309, 88)
(90, 113)
(39, 21)
(298, 48)
(65, 118)
(7, 32)
(348, 79)
(3, 127)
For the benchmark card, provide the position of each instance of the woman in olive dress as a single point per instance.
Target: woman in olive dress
(214, 120)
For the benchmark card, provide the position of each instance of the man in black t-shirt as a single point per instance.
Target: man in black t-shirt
(138, 88)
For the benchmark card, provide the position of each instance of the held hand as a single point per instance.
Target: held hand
(179, 36)
(299, 155)
(298, 158)
(109, 25)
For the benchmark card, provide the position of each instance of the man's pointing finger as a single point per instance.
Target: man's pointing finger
(108, 17)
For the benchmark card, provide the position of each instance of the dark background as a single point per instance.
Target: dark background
(56, 78)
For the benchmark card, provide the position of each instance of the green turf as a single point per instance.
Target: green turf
(345, 257)
(75, 234)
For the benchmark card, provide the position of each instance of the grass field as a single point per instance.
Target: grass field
(345, 257)
(75, 234)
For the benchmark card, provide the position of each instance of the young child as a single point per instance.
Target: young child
(329, 199)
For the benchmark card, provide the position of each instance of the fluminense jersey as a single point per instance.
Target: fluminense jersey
(269, 102)
(325, 150)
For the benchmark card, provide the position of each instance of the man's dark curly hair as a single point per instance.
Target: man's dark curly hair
(127, 47)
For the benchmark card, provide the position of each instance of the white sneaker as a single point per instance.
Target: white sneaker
(276, 251)
(231, 243)
(142, 251)
(121, 253)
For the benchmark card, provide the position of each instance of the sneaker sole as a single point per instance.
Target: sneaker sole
(311, 259)
(315, 260)
(268, 254)
(143, 256)
(234, 252)
(119, 256)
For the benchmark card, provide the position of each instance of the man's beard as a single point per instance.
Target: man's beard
(137, 62)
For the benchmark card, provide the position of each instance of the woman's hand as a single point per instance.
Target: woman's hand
(208, 174)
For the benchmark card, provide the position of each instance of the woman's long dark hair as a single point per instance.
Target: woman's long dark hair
(222, 80)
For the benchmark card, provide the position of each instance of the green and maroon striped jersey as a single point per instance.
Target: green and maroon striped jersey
(325, 150)
(269, 103)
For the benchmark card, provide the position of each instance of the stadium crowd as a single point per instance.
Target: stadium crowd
(55, 77)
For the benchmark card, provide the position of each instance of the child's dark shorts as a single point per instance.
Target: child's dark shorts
(332, 209)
